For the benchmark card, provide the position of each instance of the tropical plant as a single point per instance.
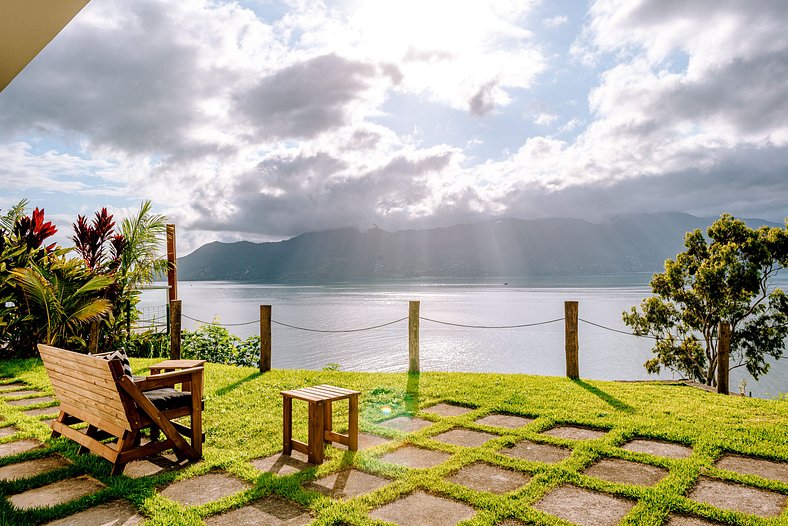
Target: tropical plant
(216, 344)
(727, 278)
(63, 297)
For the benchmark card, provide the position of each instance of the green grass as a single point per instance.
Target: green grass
(243, 416)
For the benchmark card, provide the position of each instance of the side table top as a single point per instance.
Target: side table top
(320, 393)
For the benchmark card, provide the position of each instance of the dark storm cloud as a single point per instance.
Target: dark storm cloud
(306, 98)
(286, 196)
(134, 88)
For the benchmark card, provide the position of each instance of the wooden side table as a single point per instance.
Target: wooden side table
(319, 399)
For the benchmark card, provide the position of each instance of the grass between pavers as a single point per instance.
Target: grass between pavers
(243, 419)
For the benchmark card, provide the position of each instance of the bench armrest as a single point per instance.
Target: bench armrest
(155, 381)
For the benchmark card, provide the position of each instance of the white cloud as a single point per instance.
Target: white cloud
(556, 21)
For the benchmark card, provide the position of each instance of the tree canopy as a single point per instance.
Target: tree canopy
(725, 276)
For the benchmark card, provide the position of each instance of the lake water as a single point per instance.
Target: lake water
(604, 354)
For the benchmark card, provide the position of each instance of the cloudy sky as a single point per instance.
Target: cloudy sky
(262, 119)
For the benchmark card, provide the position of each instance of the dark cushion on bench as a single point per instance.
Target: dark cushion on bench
(168, 398)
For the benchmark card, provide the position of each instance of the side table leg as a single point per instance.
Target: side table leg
(287, 425)
(316, 423)
(352, 425)
(328, 420)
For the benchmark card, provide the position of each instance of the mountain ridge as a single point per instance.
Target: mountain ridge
(494, 248)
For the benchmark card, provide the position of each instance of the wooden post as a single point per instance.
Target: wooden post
(571, 345)
(723, 356)
(175, 329)
(413, 337)
(172, 272)
(265, 338)
(93, 339)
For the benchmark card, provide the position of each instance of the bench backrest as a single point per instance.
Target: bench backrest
(88, 389)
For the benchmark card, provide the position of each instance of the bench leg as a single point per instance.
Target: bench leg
(316, 432)
(287, 425)
(352, 419)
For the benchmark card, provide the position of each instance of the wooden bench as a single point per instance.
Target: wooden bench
(95, 391)
(319, 399)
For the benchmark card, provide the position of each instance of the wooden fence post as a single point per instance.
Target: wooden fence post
(93, 339)
(172, 270)
(413, 337)
(265, 338)
(723, 356)
(571, 345)
(175, 329)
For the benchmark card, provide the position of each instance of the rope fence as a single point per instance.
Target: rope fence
(571, 321)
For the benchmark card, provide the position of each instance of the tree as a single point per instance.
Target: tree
(726, 278)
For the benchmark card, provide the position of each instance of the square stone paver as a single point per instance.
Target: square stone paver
(464, 437)
(503, 420)
(481, 476)
(745, 499)
(347, 484)
(57, 493)
(31, 468)
(12, 387)
(406, 424)
(447, 410)
(31, 401)
(20, 446)
(270, 511)
(537, 452)
(43, 411)
(7, 431)
(683, 520)
(574, 433)
(584, 507)
(203, 489)
(153, 465)
(658, 448)
(365, 441)
(114, 513)
(768, 469)
(626, 472)
(416, 457)
(422, 509)
(26, 392)
(281, 464)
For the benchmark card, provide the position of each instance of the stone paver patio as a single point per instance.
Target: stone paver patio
(31, 468)
(658, 448)
(365, 441)
(27, 392)
(204, 489)
(406, 424)
(20, 446)
(56, 493)
(31, 401)
(504, 420)
(12, 386)
(416, 457)
(481, 476)
(731, 496)
(43, 411)
(7, 431)
(422, 509)
(269, 511)
(626, 472)
(281, 464)
(446, 410)
(113, 513)
(347, 484)
(767, 469)
(584, 507)
(464, 437)
(575, 433)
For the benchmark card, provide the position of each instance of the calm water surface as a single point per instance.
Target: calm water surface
(604, 355)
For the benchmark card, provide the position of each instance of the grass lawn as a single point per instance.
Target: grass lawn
(242, 421)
